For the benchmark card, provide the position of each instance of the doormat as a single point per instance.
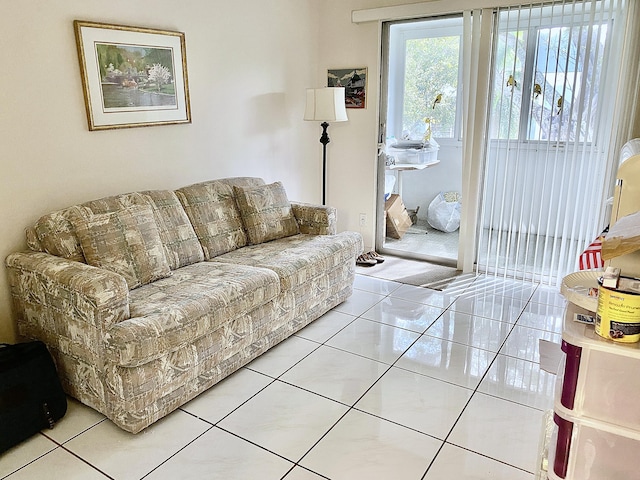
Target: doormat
(440, 276)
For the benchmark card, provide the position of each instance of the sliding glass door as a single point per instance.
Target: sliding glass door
(423, 78)
(548, 138)
(522, 102)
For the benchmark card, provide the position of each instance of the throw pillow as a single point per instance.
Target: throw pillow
(266, 212)
(213, 211)
(126, 241)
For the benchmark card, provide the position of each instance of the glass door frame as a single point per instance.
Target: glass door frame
(455, 142)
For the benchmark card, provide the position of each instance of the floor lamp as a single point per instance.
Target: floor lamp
(325, 105)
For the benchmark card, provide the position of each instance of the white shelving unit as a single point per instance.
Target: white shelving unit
(596, 415)
(411, 159)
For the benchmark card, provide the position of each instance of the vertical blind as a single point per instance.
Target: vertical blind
(555, 74)
(476, 49)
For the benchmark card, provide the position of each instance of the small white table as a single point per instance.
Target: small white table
(403, 167)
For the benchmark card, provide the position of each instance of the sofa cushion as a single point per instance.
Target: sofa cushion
(266, 212)
(54, 233)
(212, 210)
(178, 237)
(315, 219)
(243, 181)
(299, 258)
(116, 202)
(126, 241)
(195, 301)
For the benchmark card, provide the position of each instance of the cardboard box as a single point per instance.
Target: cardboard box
(398, 220)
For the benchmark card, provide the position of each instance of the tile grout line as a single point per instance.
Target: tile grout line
(352, 406)
(211, 427)
(393, 364)
(274, 380)
(57, 445)
(475, 391)
(62, 446)
(86, 462)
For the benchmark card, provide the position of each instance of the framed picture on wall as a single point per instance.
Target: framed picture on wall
(132, 76)
(354, 81)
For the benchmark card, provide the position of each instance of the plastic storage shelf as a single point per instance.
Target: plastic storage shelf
(590, 450)
(598, 378)
(596, 431)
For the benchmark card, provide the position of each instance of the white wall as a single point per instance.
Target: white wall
(353, 148)
(249, 63)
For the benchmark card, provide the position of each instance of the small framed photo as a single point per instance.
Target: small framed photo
(132, 76)
(354, 81)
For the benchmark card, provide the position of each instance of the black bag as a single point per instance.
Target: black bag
(31, 397)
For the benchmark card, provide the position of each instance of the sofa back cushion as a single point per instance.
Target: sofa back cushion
(125, 241)
(178, 237)
(54, 233)
(211, 207)
(195, 222)
(243, 181)
(266, 212)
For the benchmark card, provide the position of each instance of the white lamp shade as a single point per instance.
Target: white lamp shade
(326, 105)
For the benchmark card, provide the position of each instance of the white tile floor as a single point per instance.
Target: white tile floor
(399, 382)
(423, 241)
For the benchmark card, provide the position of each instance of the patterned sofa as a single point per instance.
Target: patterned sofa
(147, 299)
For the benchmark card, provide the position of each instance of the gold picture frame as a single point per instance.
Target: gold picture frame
(132, 76)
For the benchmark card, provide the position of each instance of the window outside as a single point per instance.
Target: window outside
(547, 90)
(431, 84)
(425, 74)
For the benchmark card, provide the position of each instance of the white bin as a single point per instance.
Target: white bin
(598, 378)
(583, 449)
(415, 156)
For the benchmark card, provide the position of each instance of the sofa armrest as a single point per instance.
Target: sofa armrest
(67, 304)
(315, 219)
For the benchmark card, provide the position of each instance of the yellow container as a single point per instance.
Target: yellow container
(618, 315)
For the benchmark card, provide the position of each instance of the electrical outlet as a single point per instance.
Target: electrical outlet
(363, 219)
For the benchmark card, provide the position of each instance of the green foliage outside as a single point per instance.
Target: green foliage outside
(431, 69)
(567, 63)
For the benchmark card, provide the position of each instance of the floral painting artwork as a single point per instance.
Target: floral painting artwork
(132, 76)
(354, 81)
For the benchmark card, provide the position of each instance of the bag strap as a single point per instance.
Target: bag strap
(46, 411)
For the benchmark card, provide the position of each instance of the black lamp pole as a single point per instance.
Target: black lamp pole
(324, 139)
